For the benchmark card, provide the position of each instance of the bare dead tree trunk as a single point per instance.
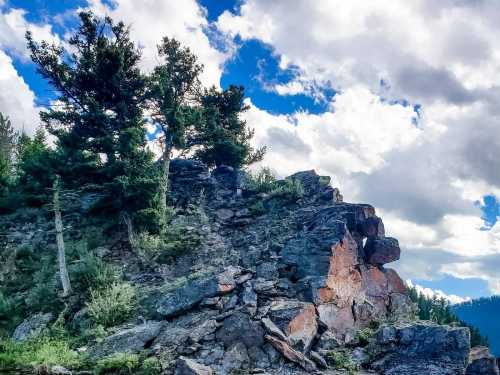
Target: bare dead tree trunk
(61, 252)
(130, 229)
(167, 151)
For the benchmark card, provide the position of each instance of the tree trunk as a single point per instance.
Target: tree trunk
(167, 151)
(61, 253)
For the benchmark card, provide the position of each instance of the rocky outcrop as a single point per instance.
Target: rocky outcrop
(481, 362)
(278, 284)
(32, 327)
(127, 340)
(420, 348)
(192, 292)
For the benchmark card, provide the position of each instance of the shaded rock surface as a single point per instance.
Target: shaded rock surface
(420, 348)
(32, 327)
(481, 362)
(277, 284)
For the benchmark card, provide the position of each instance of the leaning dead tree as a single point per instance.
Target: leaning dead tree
(61, 252)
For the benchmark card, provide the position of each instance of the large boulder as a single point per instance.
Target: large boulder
(382, 250)
(186, 366)
(32, 327)
(128, 340)
(297, 320)
(420, 348)
(481, 362)
(191, 292)
(239, 327)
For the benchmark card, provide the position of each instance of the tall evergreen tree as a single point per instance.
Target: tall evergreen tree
(7, 148)
(98, 119)
(34, 168)
(174, 87)
(223, 136)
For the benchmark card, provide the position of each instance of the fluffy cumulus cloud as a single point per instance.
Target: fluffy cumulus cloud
(153, 19)
(414, 126)
(17, 100)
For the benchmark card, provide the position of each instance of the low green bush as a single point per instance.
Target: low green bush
(112, 305)
(42, 296)
(38, 354)
(262, 181)
(175, 240)
(289, 189)
(118, 364)
(90, 271)
(342, 361)
(126, 363)
(363, 336)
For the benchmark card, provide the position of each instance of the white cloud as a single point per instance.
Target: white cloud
(409, 44)
(16, 99)
(153, 19)
(13, 27)
(431, 293)
(426, 179)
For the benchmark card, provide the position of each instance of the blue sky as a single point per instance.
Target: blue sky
(402, 120)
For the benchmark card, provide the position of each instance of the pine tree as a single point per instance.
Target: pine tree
(173, 90)
(7, 148)
(98, 119)
(223, 136)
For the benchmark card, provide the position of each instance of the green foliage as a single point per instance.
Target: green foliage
(99, 120)
(173, 86)
(439, 310)
(9, 314)
(264, 181)
(175, 240)
(363, 336)
(90, 271)
(342, 361)
(288, 189)
(39, 354)
(42, 296)
(113, 305)
(223, 136)
(35, 168)
(126, 363)
(7, 147)
(118, 364)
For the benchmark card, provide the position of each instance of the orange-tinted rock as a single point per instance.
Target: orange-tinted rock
(394, 282)
(291, 354)
(297, 320)
(339, 320)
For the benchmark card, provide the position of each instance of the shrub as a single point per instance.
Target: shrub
(175, 240)
(118, 364)
(40, 353)
(113, 305)
(151, 366)
(364, 336)
(263, 181)
(341, 360)
(289, 189)
(43, 295)
(90, 271)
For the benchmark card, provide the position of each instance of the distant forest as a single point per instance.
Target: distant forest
(483, 314)
(441, 311)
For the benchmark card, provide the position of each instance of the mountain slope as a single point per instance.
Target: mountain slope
(483, 314)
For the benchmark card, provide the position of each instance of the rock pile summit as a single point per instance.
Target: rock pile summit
(285, 286)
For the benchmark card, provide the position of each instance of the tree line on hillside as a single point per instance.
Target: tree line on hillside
(97, 120)
(440, 311)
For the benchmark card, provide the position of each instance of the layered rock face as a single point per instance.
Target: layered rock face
(282, 284)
